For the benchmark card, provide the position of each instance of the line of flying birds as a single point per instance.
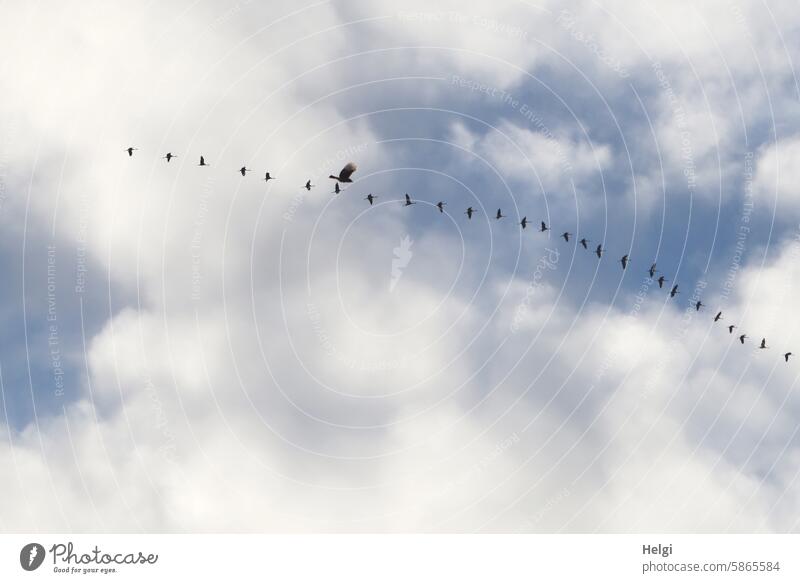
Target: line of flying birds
(346, 173)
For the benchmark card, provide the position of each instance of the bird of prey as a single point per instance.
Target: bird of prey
(130, 150)
(308, 185)
(718, 317)
(566, 236)
(524, 222)
(624, 261)
(203, 162)
(469, 212)
(661, 281)
(652, 271)
(243, 170)
(499, 215)
(585, 242)
(440, 205)
(169, 156)
(544, 227)
(409, 202)
(370, 197)
(599, 251)
(345, 173)
(674, 291)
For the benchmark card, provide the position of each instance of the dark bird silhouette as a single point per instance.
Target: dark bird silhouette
(566, 236)
(543, 228)
(763, 344)
(786, 356)
(469, 212)
(524, 222)
(624, 262)
(674, 291)
(203, 162)
(730, 329)
(345, 173)
(409, 202)
(370, 197)
(336, 188)
(742, 337)
(661, 281)
(267, 177)
(499, 215)
(652, 271)
(308, 186)
(169, 156)
(698, 305)
(130, 150)
(585, 242)
(599, 251)
(440, 205)
(244, 170)
(718, 317)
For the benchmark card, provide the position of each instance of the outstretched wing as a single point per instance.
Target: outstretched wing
(347, 171)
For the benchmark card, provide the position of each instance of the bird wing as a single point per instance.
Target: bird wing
(347, 171)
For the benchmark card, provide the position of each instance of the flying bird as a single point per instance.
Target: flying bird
(267, 177)
(169, 156)
(652, 271)
(308, 185)
(718, 317)
(336, 188)
(674, 291)
(370, 197)
(624, 262)
(345, 173)
(524, 222)
(469, 212)
(440, 205)
(742, 337)
(499, 215)
(787, 355)
(763, 344)
(203, 162)
(566, 236)
(599, 251)
(730, 329)
(409, 202)
(584, 242)
(130, 150)
(244, 170)
(698, 305)
(661, 281)
(544, 227)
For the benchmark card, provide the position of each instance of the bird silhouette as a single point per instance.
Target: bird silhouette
(345, 173)
(244, 170)
(130, 150)
(370, 197)
(763, 345)
(786, 356)
(585, 243)
(661, 281)
(499, 215)
(652, 271)
(409, 202)
(624, 262)
(698, 305)
(718, 317)
(267, 177)
(742, 337)
(674, 291)
(544, 227)
(440, 205)
(308, 185)
(730, 329)
(336, 188)
(566, 236)
(524, 222)
(469, 212)
(203, 162)
(169, 156)
(599, 251)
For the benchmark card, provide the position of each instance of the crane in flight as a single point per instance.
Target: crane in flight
(370, 197)
(345, 173)
(169, 156)
(130, 150)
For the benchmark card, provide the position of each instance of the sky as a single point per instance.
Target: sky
(188, 350)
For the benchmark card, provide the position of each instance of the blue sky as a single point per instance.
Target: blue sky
(258, 343)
